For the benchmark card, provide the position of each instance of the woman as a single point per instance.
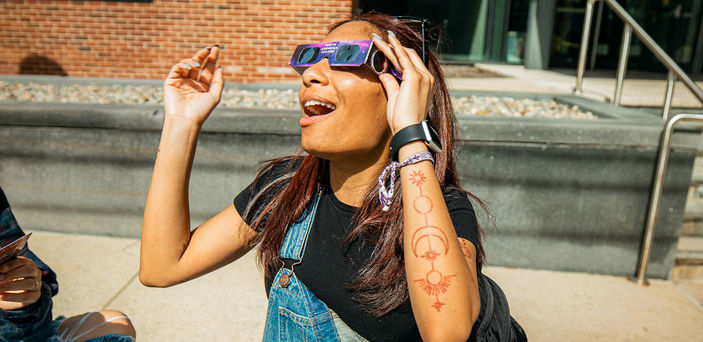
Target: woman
(339, 263)
(26, 287)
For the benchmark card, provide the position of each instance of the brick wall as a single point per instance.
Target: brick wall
(143, 40)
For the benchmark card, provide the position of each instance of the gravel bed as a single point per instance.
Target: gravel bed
(274, 99)
(512, 107)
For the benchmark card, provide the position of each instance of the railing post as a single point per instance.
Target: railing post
(596, 36)
(622, 62)
(583, 49)
(656, 50)
(656, 194)
(670, 83)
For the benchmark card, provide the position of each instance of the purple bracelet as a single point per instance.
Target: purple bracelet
(386, 195)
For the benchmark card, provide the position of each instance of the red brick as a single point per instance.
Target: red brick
(162, 32)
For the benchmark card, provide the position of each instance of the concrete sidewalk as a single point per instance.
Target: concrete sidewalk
(229, 304)
(640, 89)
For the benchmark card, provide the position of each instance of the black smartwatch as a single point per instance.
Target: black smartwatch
(422, 131)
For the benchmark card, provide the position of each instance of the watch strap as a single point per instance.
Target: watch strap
(413, 133)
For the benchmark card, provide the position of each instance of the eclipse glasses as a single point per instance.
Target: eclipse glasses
(344, 53)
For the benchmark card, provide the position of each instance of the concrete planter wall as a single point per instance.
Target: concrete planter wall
(573, 195)
(567, 195)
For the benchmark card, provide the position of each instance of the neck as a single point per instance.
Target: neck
(350, 179)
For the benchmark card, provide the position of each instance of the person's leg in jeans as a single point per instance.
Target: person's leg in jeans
(95, 324)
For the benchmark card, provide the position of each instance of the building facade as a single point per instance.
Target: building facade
(143, 38)
(547, 33)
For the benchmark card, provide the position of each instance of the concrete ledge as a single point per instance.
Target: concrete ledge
(68, 81)
(142, 117)
(603, 132)
(566, 194)
(622, 129)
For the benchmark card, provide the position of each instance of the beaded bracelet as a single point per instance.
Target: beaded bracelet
(386, 195)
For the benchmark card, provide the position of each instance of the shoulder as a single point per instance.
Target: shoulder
(461, 211)
(3, 201)
(457, 200)
(270, 180)
(274, 175)
(275, 169)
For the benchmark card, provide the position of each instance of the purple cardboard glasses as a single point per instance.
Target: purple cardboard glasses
(344, 53)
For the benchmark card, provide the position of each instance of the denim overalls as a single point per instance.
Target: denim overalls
(294, 312)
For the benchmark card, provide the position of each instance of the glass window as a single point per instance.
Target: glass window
(471, 31)
(673, 24)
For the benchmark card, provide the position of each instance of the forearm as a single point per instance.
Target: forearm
(441, 285)
(166, 225)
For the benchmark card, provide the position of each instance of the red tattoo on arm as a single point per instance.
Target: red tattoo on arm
(435, 282)
(465, 248)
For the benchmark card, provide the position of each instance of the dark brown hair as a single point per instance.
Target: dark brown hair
(381, 284)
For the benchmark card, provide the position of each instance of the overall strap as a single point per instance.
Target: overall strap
(297, 235)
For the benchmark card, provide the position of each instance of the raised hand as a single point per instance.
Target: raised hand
(409, 101)
(20, 283)
(193, 87)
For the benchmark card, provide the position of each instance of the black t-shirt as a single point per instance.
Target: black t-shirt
(326, 273)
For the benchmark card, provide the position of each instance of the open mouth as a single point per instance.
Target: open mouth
(313, 107)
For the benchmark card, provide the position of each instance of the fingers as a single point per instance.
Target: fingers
(390, 83)
(417, 62)
(427, 78)
(15, 263)
(217, 84)
(27, 297)
(401, 54)
(209, 65)
(20, 274)
(411, 99)
(199, 61)
(406, 60)
(199, 68)
(387, 50)
(21, 284)
(24, 271)
(409, 61)
(182, 69)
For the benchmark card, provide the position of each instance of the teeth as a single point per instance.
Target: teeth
(318, 103)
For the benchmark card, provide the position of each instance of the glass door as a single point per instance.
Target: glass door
(568, 26)
(673, 24)
(471, 30)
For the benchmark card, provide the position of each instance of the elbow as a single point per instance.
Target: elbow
(454, 334)
(475, 310)
(148, 279)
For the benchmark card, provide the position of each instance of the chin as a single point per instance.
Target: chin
(317, 151)
(340, 144)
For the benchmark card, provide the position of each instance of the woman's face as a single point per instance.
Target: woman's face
(344, 108)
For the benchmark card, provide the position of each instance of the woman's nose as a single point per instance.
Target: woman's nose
(317, 73)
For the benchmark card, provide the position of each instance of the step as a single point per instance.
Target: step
(697, 174)
(693, 214)
(688, 264)
(692, 227)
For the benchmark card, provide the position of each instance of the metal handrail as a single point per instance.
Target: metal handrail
(675, 72)
(656, 195)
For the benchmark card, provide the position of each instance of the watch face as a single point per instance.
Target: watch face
(431, 137)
